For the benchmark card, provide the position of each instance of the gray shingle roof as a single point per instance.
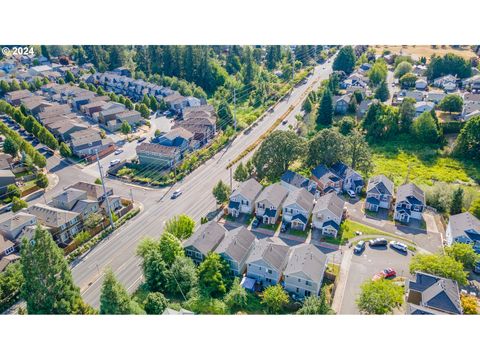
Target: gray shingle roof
(249, 189)
(237, 243)
(464, 224)
(301, 197)
(410, 193)
(270, 251)
(50, 216)
(207, 237)
(308, 259)
(332, 202)
(380, 184)
(274, 193)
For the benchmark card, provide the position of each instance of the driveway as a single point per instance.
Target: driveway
(362, 268)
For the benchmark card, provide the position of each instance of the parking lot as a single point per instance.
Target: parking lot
(365, 265)
(22, 132)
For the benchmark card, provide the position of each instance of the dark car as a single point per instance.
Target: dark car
(255, 223)
(143, 138)
(284, 227)
(378, 242)
(476, 268)
(359, 247)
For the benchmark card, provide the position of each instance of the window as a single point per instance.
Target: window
(308, 283)
(307, 293)
(269, 271)
(298, 290)
(299, 280)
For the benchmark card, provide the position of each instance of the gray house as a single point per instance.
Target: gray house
(235, 249)
(267, 261)
(379, 193)
(297, 208)
(269, 203)
(204, 241)
(304, 272)
(432, 295)
(243, 198)
(351, 180)
(328, 214)
(464, 228)
(292, 180)
(410, 203)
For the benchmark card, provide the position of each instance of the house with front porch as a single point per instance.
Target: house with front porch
(292, 181)
(269, 203)
(242, 200)
(351, 180)
(297, 209)
(204, 240)
(410, 203)
(328, 214)
(379, 193)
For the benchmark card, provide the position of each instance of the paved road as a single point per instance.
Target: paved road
(118, 252)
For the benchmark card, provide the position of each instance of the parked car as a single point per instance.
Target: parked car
(476, 268)
(284, 227)
(399, 246)
(352, 194)
(118, 151)
(176, 193)
(378, 242)
(142, 139)
(359, 247)
(255, 223)
(114, 162)
(284, 122)
(384, 274)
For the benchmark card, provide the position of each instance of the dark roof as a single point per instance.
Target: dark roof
(380, 184)
(332, 224)
(297, 180)
(207, 237)
(410, 193)
(372, 200)
(300, 217)
(233, 204)
(321, 171)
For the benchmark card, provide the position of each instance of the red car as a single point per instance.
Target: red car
(385, 274)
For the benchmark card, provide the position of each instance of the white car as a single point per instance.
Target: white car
(114, 162)
(399, 246)
(352, 194)
(176, 193)
(118, 152)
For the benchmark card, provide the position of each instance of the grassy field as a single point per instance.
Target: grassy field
(349, 228)
(425, 50)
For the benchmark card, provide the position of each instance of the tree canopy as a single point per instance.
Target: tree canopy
(440, 265)
(275, 298)
(467, 144)
(327, 147)
(180, 226)
(345, 60)
(379, 297)
(213, 275)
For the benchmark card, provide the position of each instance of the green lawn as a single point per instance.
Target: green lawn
(349, 228)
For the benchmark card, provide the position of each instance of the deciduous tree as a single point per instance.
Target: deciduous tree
(316, 305)
(155, 303)
(379, 297)
(327, 147)
(275, 298)
(180, 226)
(440, 265)
(213, 274)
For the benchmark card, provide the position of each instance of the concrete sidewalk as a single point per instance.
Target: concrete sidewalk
(342, 282)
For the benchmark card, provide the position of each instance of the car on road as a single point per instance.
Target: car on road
(114, 162)
(358, 249)
(177, 193)
(378, 242)
(385, 274)
(118, 151)
(358, 233)
(398, 246)
(255, 223)
(142, 139)
(352, 194)
(284, 122)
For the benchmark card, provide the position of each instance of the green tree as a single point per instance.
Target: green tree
(93, 220)
(48, 287)
(439, 196)
(69, 77)
(448, 64)
(467, 144)
(125, 128)
(180, 226)
(378, 72)
(221, 192)
(327, 147)
(316, 305)
(213, 276)
(276, 153)
(456, 207)
(425, 129)
(275, 298)
(440, 265)
(408, 80)
(325, 110)
(241, 173)
(451, 103)
(382, 93)
(81, 238)
(114, 299)
(346, 125)
(407, 114)
(144, 111)
(237, 298)
(463, 253)
(379, 297)
(155, 303)
(182, 277)
(41, 181)
(18, 204)
(65, 150)
(469, 304)
(345, 60)
(10, 146)
(307, 106)
(13, 191)
(402, 68)
(358, 153)
(170, 248)
(475, 208)
(11, 280)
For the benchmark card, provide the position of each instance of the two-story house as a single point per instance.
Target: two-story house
(204, 240)
(297, 209)
(464, 228)
(242, 200)
(328, 214)
(12, 227)
(95, 192)
(292, 180)
(326, 180)
(351, 180)
(410, 203)
(304, 272)
(178, 137)
(269, 203)
(267, 261)
(379, 193)
(77, 201)
(235, 249)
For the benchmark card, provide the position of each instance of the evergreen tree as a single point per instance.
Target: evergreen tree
(456, 207)
(114, 299)
(241, 173)
(345, 60)
(382, 93)
(325, 111)
(155, 303)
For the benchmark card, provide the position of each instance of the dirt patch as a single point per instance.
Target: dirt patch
(418, 51)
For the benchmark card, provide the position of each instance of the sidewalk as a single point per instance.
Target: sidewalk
(342, 282)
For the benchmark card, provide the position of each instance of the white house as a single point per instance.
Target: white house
(297, 208)
(328, 213)
(242, 200)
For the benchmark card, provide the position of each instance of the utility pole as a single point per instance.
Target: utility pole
(131, 195)
(293, 65)
(105, 191)
(231, 184)
(235, 109)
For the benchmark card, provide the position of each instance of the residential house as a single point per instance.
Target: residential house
(267, 261)
(297, 209)
(410, 203)
(132, 117)
(471, 105)
(363, 107)
(64, 129)
(432, 295)
(303, 275)
(423, 106)
(13, 226)
(77, 201)
(88, 142)
(242, 199)
(328, 214)
(34, 104)
(421, 84)
(7, 247)
(178, 137)
(95, 192)
(6, 178)
(93, 107)
(235, 248)
(292, 181)
(351, 180)
(341, 103)
(204, 240)
(269, 203)
(6, 161)
(62, 224)
(327, 181)
(464, 228)
(379, 193)
(14, 97)
(435, 97)
(39, 70)
(447, 82)
(7, 260)
(176, 101)
(472, 83)
(155, 154)
(109, 112)
(414, 94)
